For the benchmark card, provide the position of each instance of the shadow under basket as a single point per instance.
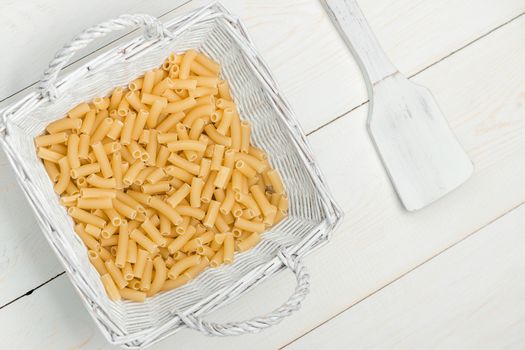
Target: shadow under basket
(312, 214)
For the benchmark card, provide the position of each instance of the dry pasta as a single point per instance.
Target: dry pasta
(65, 124)
(161, 178)
(127, 271)
(196, 190)
(145, 281)
(161, 273)
(115, 274)
(131, 294)
(97, 262)
(228, 248)
(138, 267)
(51, 139)
(122, 245)
(64, 177)
(110, 286)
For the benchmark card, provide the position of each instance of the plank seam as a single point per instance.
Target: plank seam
(422, 70)
(404, 274)
(468, 44)
(29, 292)
(94, 51)
(308, 134)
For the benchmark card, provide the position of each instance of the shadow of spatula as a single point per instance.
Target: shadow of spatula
(419, 151)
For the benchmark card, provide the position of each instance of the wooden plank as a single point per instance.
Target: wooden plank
(34, 30)
(378, 241)
(284, 45)
(28, 260)
(469, 297)
(314, 68)
(58, 323)
(304, 51)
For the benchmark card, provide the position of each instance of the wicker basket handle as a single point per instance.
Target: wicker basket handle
(154, 29)
(258, 323)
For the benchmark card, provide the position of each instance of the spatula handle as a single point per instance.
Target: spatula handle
(356, 32)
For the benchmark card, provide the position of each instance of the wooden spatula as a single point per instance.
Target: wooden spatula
(419, 151)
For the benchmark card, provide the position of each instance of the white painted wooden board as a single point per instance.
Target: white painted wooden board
(378, 241)
(469, 297)
(26, 259)
(295, 37)
(316, 72)
(32, 31)
(306, 33)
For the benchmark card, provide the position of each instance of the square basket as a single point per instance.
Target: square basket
(312, 215)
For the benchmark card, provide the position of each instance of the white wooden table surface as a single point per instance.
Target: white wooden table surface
(450, 276)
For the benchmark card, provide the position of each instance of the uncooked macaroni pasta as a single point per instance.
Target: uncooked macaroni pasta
(161, 178)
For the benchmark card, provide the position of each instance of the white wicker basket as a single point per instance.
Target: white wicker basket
(313, 213)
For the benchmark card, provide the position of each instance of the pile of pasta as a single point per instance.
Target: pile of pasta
(161, 178)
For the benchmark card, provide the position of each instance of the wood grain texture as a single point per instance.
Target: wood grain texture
(422, 156)
(316, 72)
(469, 297)
(356, 32)
(420, 153)
(26, 257)
(378, 241)
(33, 34)
(307, 32)
(295, 37)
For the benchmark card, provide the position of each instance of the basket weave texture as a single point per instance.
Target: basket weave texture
(312, 216)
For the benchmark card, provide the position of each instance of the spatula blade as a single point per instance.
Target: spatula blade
(421, 154)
